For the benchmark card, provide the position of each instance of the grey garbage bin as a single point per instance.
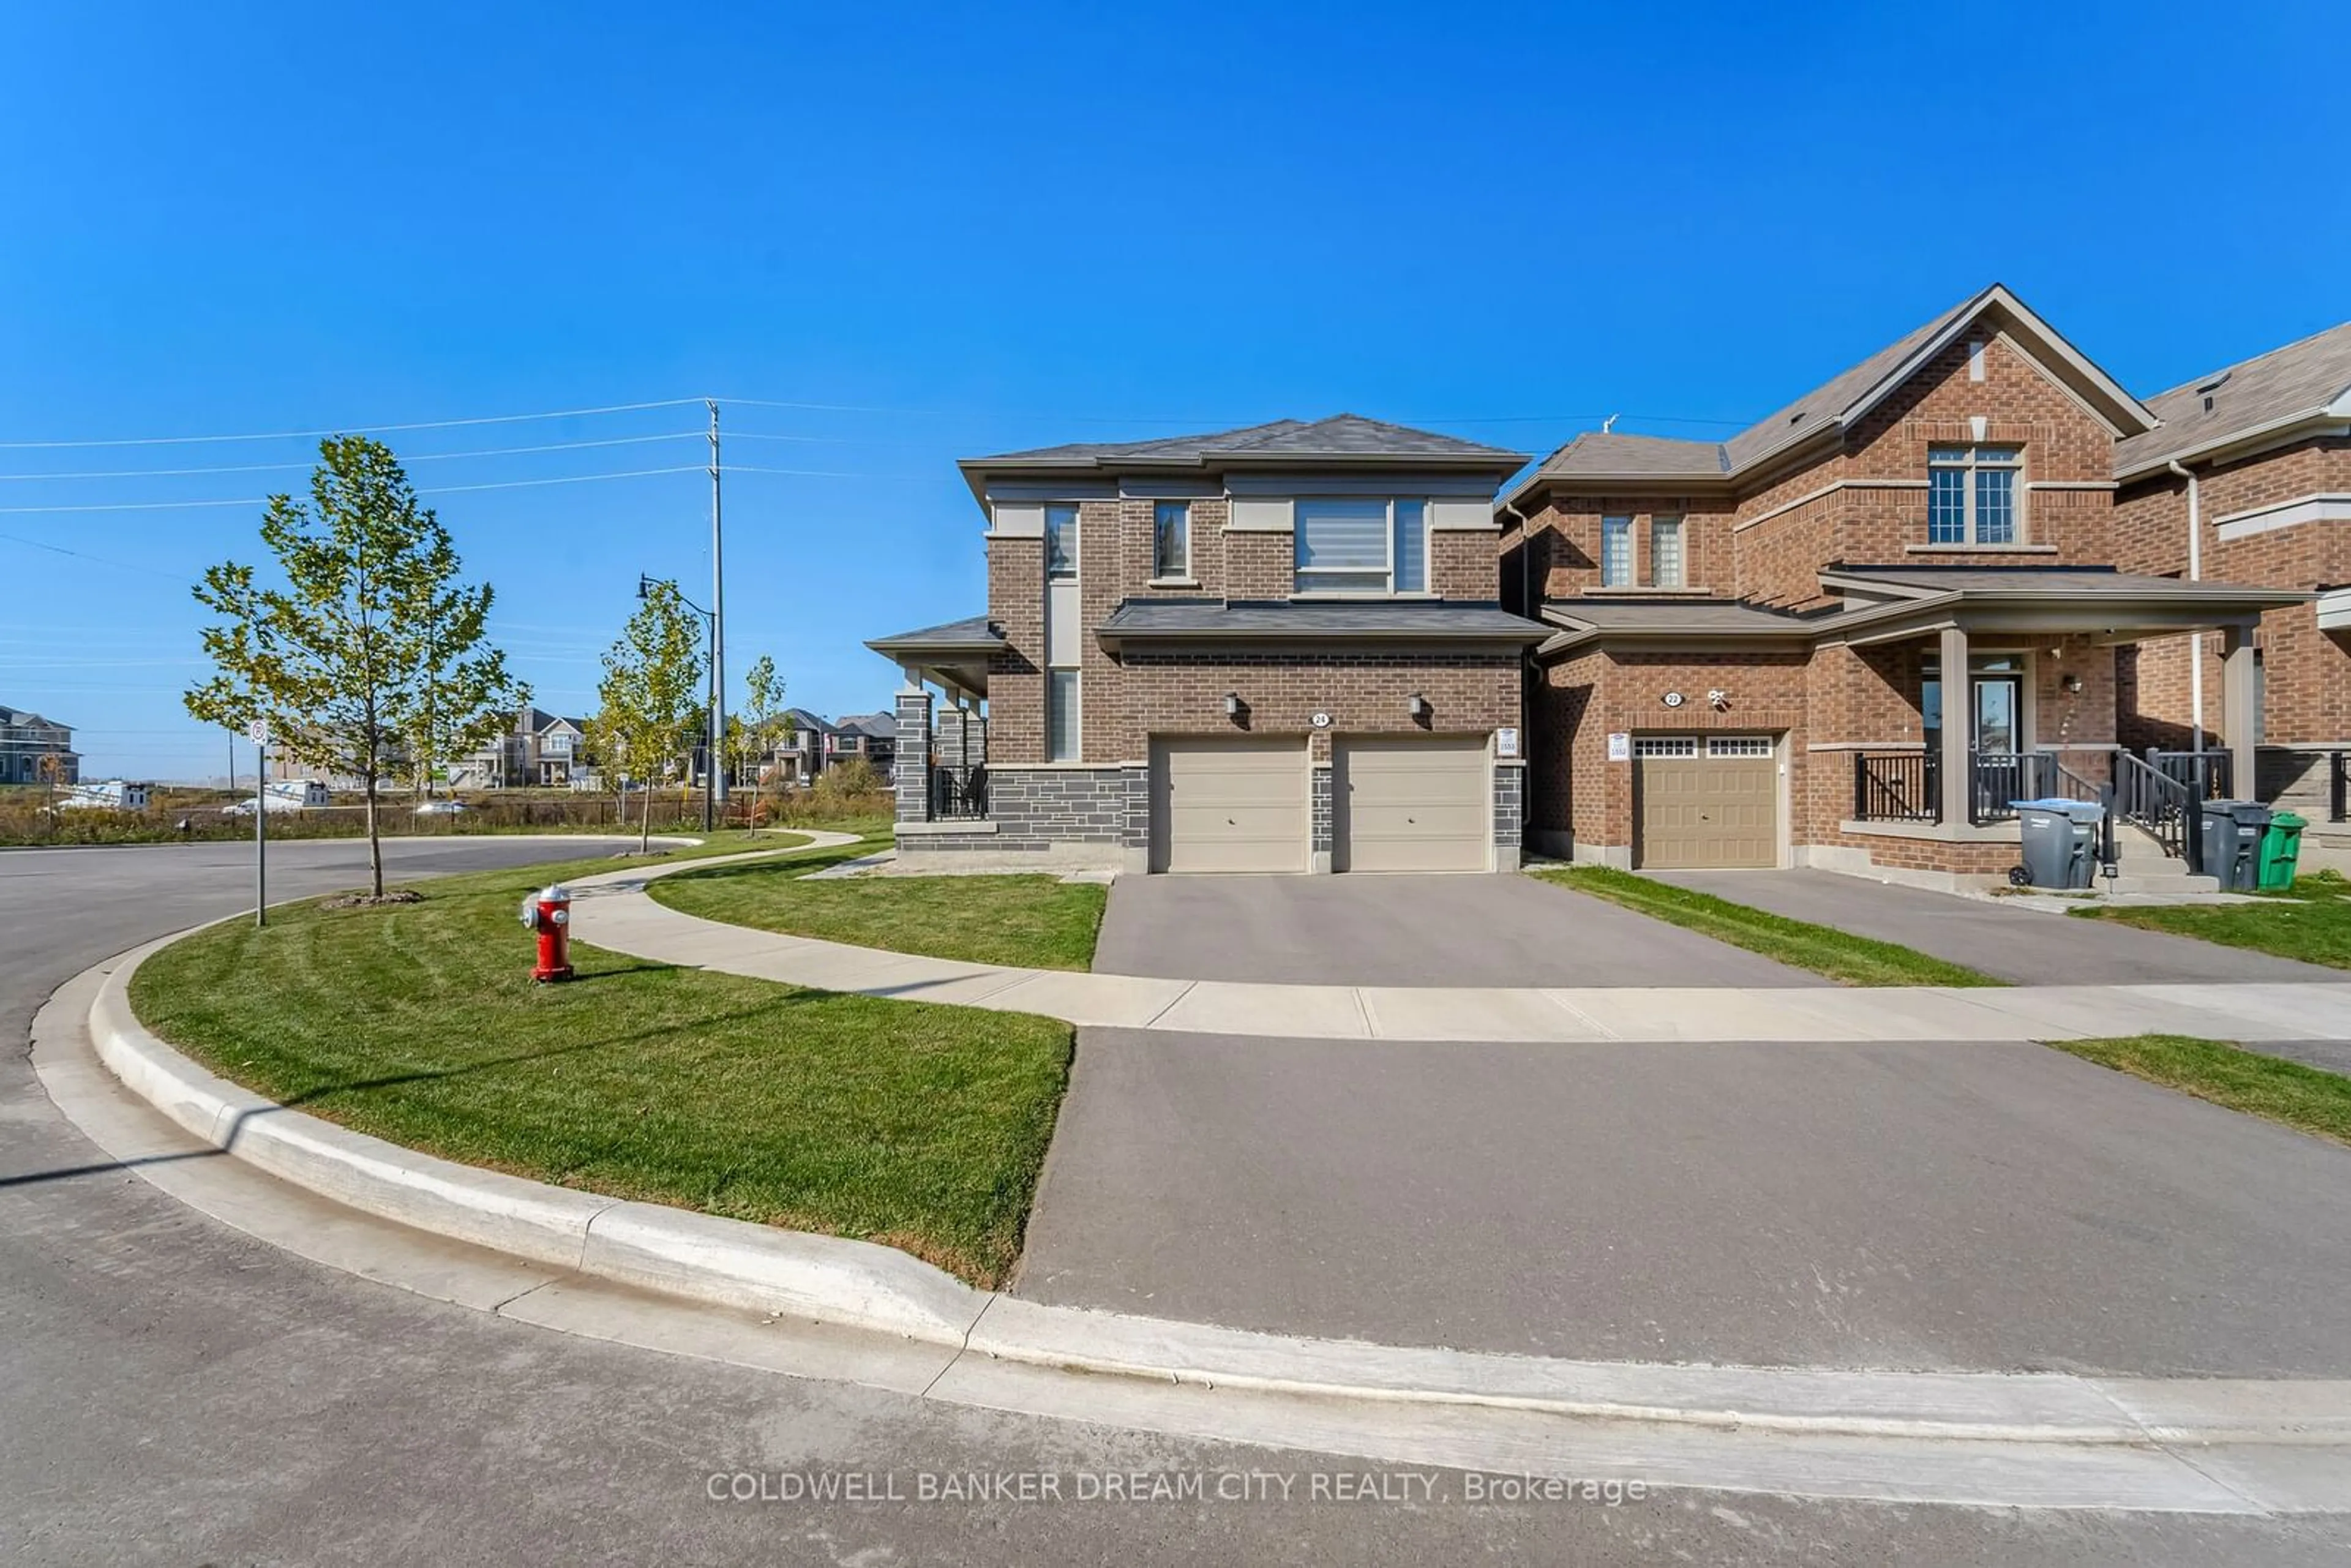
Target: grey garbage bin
(2229, 832)
(2061, 841)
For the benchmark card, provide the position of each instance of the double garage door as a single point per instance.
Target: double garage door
(1711, 801)
(1417, 803)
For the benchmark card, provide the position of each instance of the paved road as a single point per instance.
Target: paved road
(1406, 931)
(176, 1393)
(1915, 1205)
(2023, 946)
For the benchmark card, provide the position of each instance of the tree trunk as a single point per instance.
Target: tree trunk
(375, 843)
(645, 841)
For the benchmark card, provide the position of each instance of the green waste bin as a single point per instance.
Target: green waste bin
(2280, 847)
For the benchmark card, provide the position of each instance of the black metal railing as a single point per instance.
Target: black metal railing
(1996, 778)
(2156, 802)
(1895, 786)
(958, 794)
(2072, 786)
(2209, 774)
(2338, 787)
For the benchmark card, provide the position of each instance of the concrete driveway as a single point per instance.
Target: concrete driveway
(1916, 1206)
(1499, 930)
(2023, 946)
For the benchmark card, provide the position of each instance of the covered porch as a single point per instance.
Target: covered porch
(2036, 713)
(942, 758)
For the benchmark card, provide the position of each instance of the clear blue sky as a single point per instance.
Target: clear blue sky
(987, 228)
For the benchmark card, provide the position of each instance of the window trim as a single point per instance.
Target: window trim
(1966, 459)
(1678, 523)
(1161, 572)
(1631, 554)
(1301, 575)
(1071, 573)
(1077, 735)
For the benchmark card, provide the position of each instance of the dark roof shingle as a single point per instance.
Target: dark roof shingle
(1341, 435)
(1209, 618)
(2301, 379)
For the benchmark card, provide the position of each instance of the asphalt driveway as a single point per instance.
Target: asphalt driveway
(1491, 930)
(1915, 1205)
(2023, 946)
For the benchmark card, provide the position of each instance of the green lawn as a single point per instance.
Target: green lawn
(1028, 920)
(2313, 923)
(2267, 1086)
(1822, 949)
(922, 1127)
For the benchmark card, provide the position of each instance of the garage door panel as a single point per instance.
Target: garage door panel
(1419, 804)
(1703, 803)
(1223, 805)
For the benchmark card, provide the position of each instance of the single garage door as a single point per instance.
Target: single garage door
(1706, 801)
(1411, 803)
(1229, 805)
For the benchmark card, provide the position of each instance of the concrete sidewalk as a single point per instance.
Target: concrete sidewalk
(1992, 936)
(614, 913)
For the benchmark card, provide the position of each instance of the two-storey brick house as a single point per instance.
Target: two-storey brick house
(2248, 480)
(1853, 634)
(1278, 648)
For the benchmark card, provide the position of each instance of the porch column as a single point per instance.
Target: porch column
(2240, 708)
(913, 768)
(1958, 723)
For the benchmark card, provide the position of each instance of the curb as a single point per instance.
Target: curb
(861, 1285)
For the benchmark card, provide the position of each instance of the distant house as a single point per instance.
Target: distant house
(26, 738)
(541, 748)
(800, 758)
(871, 736)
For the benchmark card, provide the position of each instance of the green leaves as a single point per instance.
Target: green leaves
(373, 655)
(651, 696)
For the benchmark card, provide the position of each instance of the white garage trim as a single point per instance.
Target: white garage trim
(1412, 803)
(1229, 803)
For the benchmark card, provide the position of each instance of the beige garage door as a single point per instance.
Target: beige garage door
(1229, 805)
(1706, 801)
(1417, 803)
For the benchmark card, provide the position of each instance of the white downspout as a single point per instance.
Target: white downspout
(2195, 574)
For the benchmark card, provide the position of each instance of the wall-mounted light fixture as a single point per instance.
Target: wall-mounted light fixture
(1416, 706)
(1232, 705)
(2072, 684)
(1718, 698)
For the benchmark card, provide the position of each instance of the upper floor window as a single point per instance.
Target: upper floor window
(1171, 539)
(1971, 494)
(1366, 545)
(1616, 552)
(1061, 539)
(1666, 561)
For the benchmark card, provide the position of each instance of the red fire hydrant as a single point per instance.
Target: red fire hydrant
(548, 912)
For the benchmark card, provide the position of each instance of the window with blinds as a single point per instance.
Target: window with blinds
(1351, 545)
(1616, 552)
(1665, 569)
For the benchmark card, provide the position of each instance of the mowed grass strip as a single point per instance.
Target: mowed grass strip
(1023, 919)
(918, 1126)
(1822, 949)
(2303, 1098)
(2312, 922)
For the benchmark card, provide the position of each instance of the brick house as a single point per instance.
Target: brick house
(1278, 648)
(1752, 640)
(2248, 479)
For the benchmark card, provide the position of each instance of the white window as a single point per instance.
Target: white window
(1666, 570)
(1971, 494)
(1361, 546)
(1738, 746)
(1616, 552)
(1171, 539)
(1060, 540)
(560, 744)
(1060, 716)
(1665, 746)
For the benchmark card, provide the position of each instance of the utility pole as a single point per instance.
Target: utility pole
(718, 792)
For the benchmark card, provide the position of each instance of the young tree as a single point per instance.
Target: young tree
(371, 629)
(765, 724)
(650, 699)
(464, 695)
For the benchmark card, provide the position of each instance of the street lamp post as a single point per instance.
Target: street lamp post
(714, 741)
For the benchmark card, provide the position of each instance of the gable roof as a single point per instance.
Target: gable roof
(880, 725)
(1842, 401)
(1341, 436)
(2304, 380)
(16, 716)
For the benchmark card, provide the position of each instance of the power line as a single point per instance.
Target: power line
(98, 559)
(349, 429)
(412, 457)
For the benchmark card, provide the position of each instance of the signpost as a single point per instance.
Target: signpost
(259, 733)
